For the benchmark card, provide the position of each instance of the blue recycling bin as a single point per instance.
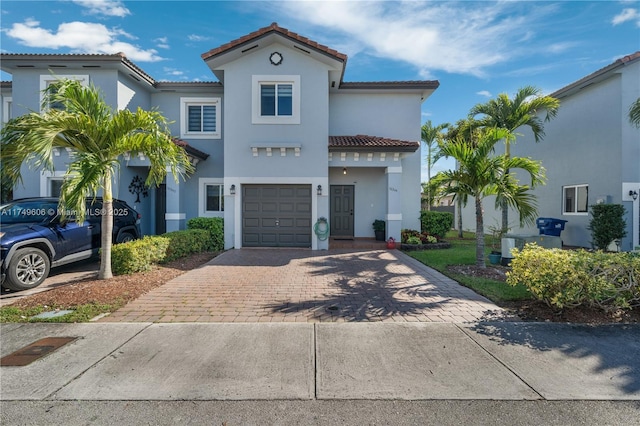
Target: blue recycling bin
(550, 226)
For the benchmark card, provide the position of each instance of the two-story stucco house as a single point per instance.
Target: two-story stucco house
(591, 153)
(279, 141)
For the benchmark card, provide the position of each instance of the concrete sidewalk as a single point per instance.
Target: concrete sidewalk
(353, 361)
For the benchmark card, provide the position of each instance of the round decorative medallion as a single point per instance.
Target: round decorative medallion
(275, 58)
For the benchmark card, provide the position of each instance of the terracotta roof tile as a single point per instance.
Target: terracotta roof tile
(190, 150)
(375, 143)
(274, 27)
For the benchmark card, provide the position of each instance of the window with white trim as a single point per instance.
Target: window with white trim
(200, 118)
(575, 199)
(48, 80)
(7, 109)
(276, 99)
(211, 197)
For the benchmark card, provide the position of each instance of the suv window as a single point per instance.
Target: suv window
(27, 212)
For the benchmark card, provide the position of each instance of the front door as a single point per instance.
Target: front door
(161, 209)
(342, 197)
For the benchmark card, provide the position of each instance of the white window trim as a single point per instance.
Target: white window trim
(46, 177)
(576, 213)
(184, 118)
(46, 80)
(202, 196)
(7, 105)
(256, 81)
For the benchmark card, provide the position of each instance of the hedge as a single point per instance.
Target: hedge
(436, 223)
(184, 243)
(215, 226)
(138, 255)
(570, 278)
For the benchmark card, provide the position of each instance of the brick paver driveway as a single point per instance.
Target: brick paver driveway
(259, 285)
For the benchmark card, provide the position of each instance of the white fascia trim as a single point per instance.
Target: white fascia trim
(256, 80)
(395, 216)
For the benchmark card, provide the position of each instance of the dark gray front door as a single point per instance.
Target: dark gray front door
(161, 209)
(342, 211)
(276, 216)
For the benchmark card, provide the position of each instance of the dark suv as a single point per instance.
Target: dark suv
(34, 237)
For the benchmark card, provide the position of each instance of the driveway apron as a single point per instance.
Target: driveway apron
(293, 285)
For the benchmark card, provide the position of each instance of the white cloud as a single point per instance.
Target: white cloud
(484, 93)
(172, 71)
(80, 37)
(627, 15)
(194, 37)
(104, 7)
(464, 38)
(163, 42)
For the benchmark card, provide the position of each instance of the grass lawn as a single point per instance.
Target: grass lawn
(463, 252)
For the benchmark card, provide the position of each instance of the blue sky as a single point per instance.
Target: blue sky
(475, 49)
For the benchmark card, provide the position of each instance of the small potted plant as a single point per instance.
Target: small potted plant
(379, 229)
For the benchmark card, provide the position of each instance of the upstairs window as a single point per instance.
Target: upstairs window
(276, 99)
(47, 80)
(200, 118)
(576, 199)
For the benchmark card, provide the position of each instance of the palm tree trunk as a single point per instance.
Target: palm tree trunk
(459, 207)
(106, 229)
(479, 235)
(505, 206)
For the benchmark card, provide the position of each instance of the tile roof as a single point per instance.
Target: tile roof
(190, 150)
(273, 28)
(374, 143)
(411, 84)
(585, 81)
(119, 57)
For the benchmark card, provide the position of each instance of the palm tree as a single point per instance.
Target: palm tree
(98, 136)
(465, 129)
(481, 174)
(634, 113)
(509, 114)
(432, 137)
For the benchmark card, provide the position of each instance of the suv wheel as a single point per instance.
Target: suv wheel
(125, 237)
(28, 269)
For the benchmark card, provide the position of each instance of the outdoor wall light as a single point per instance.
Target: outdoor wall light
(319, 189)
(633, 194)
(344, 170)
(232, 190)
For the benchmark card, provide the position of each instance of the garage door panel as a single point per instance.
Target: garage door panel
(276, 215)
(303, 207)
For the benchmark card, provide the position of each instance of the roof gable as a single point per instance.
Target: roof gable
(274, 28)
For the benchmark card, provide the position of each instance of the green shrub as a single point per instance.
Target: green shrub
(138, 255)
(436, 224)
(607, 224)
(414, 240)
(563, 278)
(184, 243)
(215, 226)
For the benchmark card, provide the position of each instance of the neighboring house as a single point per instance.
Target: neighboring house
(279, 141)
(591, 154)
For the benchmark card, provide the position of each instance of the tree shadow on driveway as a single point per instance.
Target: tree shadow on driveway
(376, 286)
